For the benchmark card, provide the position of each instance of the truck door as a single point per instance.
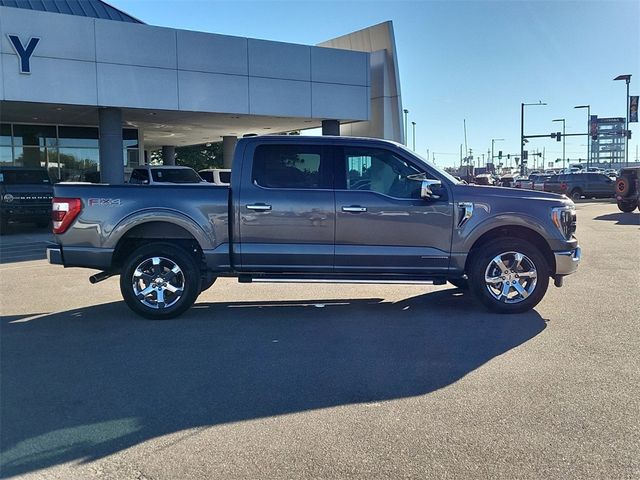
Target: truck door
(382, 223)
(286, 208)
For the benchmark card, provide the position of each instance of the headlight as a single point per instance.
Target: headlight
(565, 219)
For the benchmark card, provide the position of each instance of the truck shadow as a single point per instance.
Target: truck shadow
(621, 218)
(84, 384)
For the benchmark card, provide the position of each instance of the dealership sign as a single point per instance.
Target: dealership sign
(24, 51)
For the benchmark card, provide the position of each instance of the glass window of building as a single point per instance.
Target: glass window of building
(6, 156)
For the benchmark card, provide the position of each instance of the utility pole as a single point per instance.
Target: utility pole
(413, 124)
(522, 105)
(627, 79)
(405, 127)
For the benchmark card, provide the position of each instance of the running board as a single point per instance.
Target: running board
(263, 279)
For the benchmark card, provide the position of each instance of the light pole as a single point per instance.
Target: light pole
(564, 139)
(406, 112)
(588, 107)
(495, 140)
(413, 124)
(627, 79)
(522, 105)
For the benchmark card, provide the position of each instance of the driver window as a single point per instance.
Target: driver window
(380, 171)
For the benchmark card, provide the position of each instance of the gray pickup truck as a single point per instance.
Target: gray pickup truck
(317, 209)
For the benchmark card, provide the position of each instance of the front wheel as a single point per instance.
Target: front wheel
(509, 275)
(627, 207)
(160, 281)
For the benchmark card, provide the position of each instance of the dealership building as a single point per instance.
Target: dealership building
(87, 90)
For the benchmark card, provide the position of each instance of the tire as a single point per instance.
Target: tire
(576, 193)
(623, 186)
(461, 283)
(531, 274)
(178, 284)
(627, 207)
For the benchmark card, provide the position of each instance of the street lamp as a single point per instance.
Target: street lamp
(522, 105)
(405, 126)
(495, 140)
(413, 124)
(627, 79)
(564, 139)
(588, 107)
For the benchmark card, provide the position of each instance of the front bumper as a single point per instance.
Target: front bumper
(567, 262)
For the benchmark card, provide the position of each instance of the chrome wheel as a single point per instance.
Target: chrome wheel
(511, 277)
(158, 282)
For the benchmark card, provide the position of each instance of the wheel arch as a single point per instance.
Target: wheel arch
(159, 231)
(513, 231)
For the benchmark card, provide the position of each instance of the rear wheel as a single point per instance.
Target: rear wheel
(509, 275)
(160, 281)
(576, 194)
(627, 207)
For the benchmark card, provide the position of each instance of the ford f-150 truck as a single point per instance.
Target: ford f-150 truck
(317, 209)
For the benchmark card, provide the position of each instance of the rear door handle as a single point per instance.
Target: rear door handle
(259, 207)
(354, 209)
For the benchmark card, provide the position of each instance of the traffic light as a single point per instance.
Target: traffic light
(499, 153)
(525, 155)
(629, 134)
(508, 156)
(558, 136)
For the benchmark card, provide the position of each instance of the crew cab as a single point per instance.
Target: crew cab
(317, 209)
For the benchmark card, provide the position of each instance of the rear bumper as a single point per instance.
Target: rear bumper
(86, 257)
(567, 262)
(54, 255)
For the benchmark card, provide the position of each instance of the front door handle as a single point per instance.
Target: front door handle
(259, 207)
(354, 209)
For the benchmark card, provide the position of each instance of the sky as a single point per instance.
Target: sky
(473, 61)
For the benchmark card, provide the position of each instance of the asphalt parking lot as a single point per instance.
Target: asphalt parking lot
(325, 381)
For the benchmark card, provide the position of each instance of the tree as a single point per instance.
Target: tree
(198, 157)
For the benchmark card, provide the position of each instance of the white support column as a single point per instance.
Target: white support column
(228, 149)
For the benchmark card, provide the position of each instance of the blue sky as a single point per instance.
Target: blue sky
(473, 60)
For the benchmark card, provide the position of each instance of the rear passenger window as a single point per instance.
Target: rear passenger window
(291, 166)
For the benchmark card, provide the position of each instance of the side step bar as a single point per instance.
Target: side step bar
(371, 280)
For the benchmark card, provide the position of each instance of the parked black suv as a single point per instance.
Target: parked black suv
(25, 196)
(628, 189)
(578, 185)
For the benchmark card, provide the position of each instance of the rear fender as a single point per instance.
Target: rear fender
(160, 215)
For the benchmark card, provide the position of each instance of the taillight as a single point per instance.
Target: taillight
(64, 212)
(563, 186)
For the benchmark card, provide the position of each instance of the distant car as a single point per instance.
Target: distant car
(578, 185)
(163, 175)
(25, 196)
(508, 181)
(217, 176)
(530, 182)
(483, 179)
(628, 189)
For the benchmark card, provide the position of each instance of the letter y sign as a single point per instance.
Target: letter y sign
(24, 53)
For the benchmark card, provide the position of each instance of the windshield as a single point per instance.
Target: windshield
(25, 177)
(179, 175)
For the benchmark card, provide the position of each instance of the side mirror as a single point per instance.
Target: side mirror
(426, 190)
